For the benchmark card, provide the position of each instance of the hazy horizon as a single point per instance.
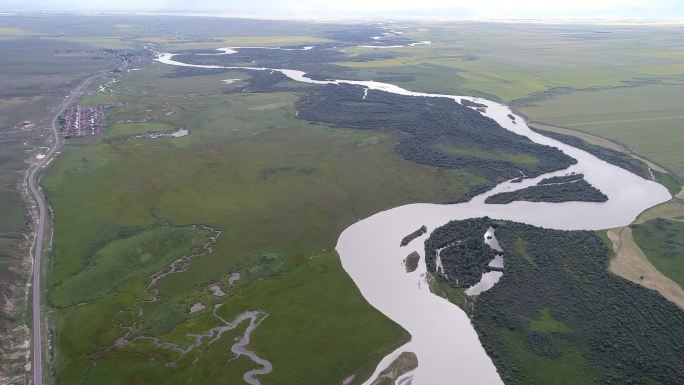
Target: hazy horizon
(360, 9)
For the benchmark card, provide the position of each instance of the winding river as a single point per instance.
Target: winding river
(442, 336)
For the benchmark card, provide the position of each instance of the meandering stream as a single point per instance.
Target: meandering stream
(442, 335)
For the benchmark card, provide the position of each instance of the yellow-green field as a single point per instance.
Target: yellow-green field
(649, 119)
(236, 41)
(12, 32)
(513, 61)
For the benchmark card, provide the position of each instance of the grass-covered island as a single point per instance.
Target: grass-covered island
(561, 179)
(558, 316)
(411, 262)
(565, 188)
(407, 239)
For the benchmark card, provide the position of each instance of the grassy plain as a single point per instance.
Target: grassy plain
(546, 323)
(233, 41)
(648, 120)
(279, 188)
(515, 61)
(163, 32)
(662, 241)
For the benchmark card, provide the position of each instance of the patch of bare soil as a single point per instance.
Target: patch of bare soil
(631, 263)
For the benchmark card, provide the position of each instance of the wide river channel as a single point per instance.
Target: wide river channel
(442, 336)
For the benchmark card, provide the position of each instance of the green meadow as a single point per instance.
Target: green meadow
(662, 242)
(510, 62)
(648, 120)
(279, 189)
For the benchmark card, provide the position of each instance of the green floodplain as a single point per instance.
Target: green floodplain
(662, 241)
(278, 188)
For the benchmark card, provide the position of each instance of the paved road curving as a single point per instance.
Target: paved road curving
(37, 193)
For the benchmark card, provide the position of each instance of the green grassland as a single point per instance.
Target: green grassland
(546, 323)
(662, 241)
(126, 32)
(280, 190)
(231, 41)
(648, 120)
(515, 61)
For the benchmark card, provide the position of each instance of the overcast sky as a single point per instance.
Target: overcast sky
(670, 9)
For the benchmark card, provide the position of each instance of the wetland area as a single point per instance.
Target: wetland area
(428, 199)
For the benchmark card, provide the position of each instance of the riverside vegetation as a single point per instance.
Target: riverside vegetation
(557, 317)
(617, 158)
(555, 189)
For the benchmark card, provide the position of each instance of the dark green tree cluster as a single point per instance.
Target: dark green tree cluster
(464, 254)
(624, 333)
(578, 190)
(470, 103)
(562, 179)
(617, 158)
(423, 122)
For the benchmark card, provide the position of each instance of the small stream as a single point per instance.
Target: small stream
(239, 348)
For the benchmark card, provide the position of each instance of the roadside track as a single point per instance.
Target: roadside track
(37, 193)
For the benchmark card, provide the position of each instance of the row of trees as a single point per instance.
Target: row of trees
(611, 156)
(578, 190)
(562, 179)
